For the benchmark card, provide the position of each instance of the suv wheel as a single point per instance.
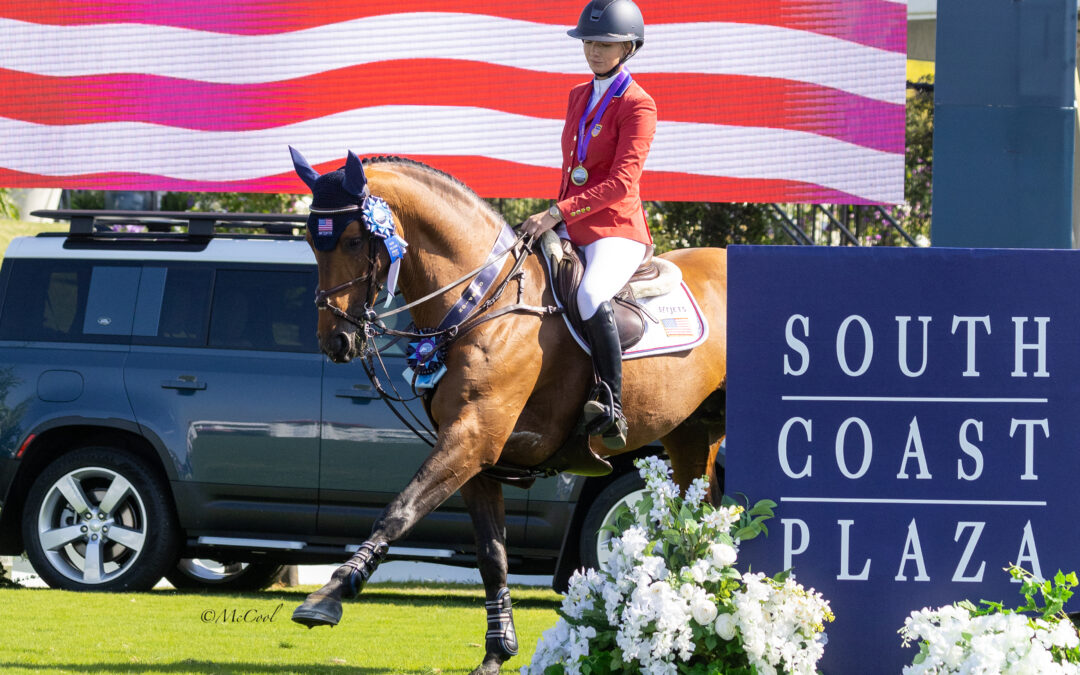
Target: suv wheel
(98, 519)
(200, 574)
(627, 489)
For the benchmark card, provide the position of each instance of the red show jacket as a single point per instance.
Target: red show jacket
(609, 203)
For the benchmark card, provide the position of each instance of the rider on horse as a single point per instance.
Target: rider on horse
(609, 127)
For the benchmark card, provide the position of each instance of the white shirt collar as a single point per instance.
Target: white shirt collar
(599, 88)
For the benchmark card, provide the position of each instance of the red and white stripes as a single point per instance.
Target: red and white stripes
(758, 100)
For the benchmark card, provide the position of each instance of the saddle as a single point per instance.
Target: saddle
(568, 271)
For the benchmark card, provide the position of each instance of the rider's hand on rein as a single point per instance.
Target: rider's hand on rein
(538, 223)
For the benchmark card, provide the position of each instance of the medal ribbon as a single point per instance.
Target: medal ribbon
(582, 137)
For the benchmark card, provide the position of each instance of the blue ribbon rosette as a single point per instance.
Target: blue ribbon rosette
(425, 358)
(379, 220)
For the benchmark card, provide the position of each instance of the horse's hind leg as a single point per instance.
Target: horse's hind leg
(693, 445)
(484, 499)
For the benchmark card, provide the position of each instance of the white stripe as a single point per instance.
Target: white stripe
(914, 399)
(715, 48)
(939, 502)
(709, 150)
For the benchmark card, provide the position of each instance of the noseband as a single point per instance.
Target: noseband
(322, 297)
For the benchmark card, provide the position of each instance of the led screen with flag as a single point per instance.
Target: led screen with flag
(759, 100)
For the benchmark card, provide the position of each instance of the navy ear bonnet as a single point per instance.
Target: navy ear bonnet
(339, 198)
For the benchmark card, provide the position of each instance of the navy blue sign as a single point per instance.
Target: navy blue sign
(916, 415)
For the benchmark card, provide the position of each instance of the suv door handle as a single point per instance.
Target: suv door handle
(358, 391)
(184, 382)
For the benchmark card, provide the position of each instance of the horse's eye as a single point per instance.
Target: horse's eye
(354, 243)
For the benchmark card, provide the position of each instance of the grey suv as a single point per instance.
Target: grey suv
(165, 411)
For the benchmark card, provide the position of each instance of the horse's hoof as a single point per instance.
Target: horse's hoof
(490, 666)
(319, 612)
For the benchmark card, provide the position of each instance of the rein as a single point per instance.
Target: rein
(371, 323)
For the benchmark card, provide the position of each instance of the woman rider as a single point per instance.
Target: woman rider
(609, 127)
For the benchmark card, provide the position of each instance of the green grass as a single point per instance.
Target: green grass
(391, 628)
(9, 229)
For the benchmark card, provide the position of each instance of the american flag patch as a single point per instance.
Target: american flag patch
(677, 327)
(326, 225)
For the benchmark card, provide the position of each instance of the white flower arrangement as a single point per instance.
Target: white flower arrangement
(669, 600)
(964, 638)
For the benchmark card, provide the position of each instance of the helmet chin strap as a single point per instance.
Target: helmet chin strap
(624, 59)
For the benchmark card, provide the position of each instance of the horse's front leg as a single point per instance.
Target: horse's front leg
(469, 444)
(484, 499)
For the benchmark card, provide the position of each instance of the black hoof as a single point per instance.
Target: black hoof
(490, 666)
(322, 611)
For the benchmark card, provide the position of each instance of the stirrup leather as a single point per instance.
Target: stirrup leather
(501, 637)
(363, 564)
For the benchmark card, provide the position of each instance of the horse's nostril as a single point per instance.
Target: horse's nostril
(341, 344)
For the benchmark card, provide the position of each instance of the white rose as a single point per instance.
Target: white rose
(723, 555)
(703, 610)
(725, 626)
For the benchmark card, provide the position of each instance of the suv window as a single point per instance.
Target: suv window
(173, 307)
(264, 310)
(61, 300)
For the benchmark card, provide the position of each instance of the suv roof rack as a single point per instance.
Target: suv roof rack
(91, 222)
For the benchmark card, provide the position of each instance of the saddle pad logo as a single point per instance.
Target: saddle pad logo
(678, 327)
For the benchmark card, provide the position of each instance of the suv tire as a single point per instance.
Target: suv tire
(131, 543)
(198, 574)
(626, 489)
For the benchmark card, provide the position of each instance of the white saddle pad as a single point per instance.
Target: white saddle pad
(676, 324)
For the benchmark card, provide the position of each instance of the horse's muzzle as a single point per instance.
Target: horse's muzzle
(341, 346)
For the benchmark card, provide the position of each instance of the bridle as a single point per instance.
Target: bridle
(371, 324)
(322, 297)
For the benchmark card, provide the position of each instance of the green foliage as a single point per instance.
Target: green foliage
(1054, 593)
(86, 199)
(7, 206)
(691, 224)
(515, 211)
(5, 580)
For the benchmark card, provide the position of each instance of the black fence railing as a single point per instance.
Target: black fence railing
(833, 224)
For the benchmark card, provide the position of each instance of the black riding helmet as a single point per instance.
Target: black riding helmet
(611, 21)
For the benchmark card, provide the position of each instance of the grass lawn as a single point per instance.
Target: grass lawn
(9, 229)
(391, 628)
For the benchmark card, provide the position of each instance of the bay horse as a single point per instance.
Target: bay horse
(515, 385)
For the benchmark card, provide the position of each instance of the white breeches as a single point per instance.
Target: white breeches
(609, 264)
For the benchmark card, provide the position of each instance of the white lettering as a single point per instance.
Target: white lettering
(1029, 443)
(912, 552)
(961, 567)
(914, 448)
(782, 447)
(970, 321)
(845, 554)
(841, 349)
(790, 550)
(796, 344)
(901, 351)
(971, 450)
(1028, 557)
(868, 448)
(1039, 346)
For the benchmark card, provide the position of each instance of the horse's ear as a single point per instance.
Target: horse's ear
(303, 169)
(355, 180)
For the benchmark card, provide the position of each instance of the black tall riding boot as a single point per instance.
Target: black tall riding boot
(603, 413)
